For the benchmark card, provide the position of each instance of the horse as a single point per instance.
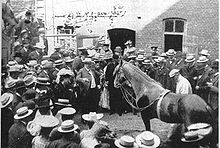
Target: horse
(154, 101)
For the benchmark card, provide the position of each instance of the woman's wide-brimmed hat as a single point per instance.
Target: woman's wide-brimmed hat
(148, 139)
(67, 111)
(191, 136)
(202, 59)
(204, 52)
(190, 58)
(92, 116)
(6, 99)
(23, 112)
(68, 126)
(126, 142)
(171, 52)
(47, 121)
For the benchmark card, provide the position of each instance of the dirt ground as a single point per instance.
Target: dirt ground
(132, 125)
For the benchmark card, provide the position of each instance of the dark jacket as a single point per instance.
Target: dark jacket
(18, 136)
(63, 143)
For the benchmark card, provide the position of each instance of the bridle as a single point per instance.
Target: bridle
(132, 102)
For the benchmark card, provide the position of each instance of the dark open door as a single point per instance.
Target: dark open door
(173, 42)
(118, 37)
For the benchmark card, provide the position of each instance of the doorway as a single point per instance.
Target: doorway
(173, 42)
(118, 37)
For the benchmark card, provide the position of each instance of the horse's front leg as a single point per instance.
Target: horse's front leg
(145, 117)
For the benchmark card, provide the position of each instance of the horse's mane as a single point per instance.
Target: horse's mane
(143, 74)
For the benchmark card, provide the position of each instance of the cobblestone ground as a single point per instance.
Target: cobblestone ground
(132, 125)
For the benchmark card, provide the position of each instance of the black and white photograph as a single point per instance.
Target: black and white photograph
(109, 73)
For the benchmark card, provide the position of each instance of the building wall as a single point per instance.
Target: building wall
(202, 26)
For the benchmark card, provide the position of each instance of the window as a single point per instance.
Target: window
(174, 25)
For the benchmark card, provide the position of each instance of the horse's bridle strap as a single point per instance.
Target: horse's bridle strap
(166, 91)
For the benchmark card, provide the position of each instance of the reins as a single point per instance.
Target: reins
(126, 94)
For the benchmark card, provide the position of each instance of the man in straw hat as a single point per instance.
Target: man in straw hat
(70, 138)
(202, 76)
(6, 117)
(19, 137)
(47, 123)
(182, 84)
(64, 114)
(188, 71)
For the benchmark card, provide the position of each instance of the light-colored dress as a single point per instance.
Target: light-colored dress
(39, 142)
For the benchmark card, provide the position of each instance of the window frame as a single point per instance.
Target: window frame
(174, 25)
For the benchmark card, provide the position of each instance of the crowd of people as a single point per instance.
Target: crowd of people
(41, 93)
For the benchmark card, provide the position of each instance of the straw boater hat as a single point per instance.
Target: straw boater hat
(29, 79)
(191, 136)
(126, 142)
(140, 57)
(47, 121)
(132, 56)
(148, 139)
(63, 102)
(23, 112)
(171, 52)
(39, 45)
(92, 116)
(43, 80)
(202, 59)
(190, 58)
(6, 99)
(173, 72)
(68, 59)
(10, 84)
(204, 52)
(87, 60)
(14, 68)
(32, 63)
(11, 63)
(68, 126)
(164, 55)
(146, 62)
(203, 129)
(67, 111)
(58, 62)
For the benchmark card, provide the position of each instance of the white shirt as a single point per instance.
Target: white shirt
(183, 86)
(93, 85)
